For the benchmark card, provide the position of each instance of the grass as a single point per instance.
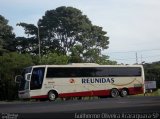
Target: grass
(153, 93)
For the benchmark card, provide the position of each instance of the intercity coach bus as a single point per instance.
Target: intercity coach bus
(79, 80)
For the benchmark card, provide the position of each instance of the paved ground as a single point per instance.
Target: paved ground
(120, 105)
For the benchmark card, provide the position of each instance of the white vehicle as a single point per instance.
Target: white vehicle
(79, 80)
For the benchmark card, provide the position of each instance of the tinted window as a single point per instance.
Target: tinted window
(93, 71)
(119, 71)
(64, 72)
(37, 78)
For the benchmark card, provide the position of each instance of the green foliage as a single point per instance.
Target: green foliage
(53, 58)
(29, 44)
(152, 72)
(11, 64)
(6, 36)
(64, 27)
(30, 29)
(103, 60)
(65, 31)
(74, 33)
(90, 56)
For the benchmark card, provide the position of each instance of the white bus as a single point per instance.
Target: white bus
(79, 80)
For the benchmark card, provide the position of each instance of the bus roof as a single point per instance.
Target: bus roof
(86, 65)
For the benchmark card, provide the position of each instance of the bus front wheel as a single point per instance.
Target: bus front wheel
(114, 93)
(52, 95)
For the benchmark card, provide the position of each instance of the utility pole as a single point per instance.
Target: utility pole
(39, 43)
(136, 58)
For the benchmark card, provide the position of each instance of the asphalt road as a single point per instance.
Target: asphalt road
(144, 104)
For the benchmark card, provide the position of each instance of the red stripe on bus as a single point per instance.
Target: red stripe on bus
(86, 93)
(132, 91)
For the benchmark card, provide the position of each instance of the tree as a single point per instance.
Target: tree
(70, 29)
(66, 31)
(11, 64)
(152, 72)
(7, 37)
(53, 58)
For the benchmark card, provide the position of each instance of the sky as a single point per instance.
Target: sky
(133, 26)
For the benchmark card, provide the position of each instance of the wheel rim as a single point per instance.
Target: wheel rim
(114, 93)
(124, 93)
(52, 96)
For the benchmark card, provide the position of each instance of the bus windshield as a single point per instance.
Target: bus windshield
(24, 84)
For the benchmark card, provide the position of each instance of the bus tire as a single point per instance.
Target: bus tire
(52, 95)
(114, 93)
(124, 92)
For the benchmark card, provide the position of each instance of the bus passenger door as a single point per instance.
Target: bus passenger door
(37, 81)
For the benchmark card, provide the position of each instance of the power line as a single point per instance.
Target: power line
(153, 56)
(136, 58)
(135, 51)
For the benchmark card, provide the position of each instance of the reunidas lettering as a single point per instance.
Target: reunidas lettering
(97, 80)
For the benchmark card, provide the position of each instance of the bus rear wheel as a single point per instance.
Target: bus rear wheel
(114, 93)
(124, 93)
(52, 95)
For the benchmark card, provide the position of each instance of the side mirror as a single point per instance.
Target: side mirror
(18, 78)
(28, 76)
